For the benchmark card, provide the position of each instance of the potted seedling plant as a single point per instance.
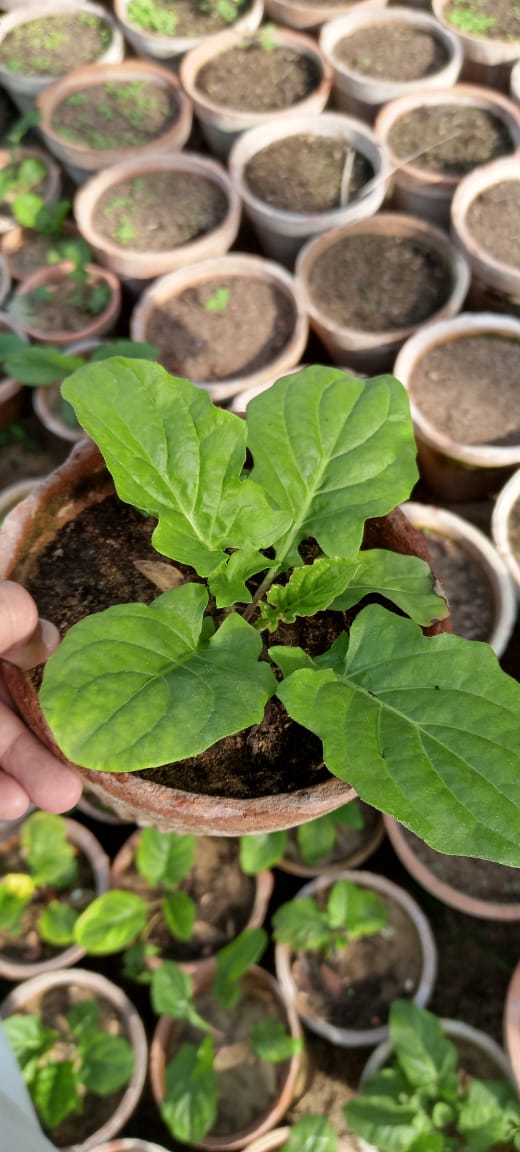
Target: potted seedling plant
(331, 843)
(423, 727)
(38, 240)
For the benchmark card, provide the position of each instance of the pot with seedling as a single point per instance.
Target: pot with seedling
(39, 236)
(166, 29)
(424, 727)
(226, 1057)
(489, 36)
(311, 1131)
(24, 171)
(325, 846)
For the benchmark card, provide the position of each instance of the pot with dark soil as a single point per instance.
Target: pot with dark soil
(378, 56)
(489, 33)
(144, 219)
(436, 137)
(236, 82)
(341, 839)
(299, 178)
(166, 29)
(484, 215)
(26, 170)
(368, 286)
(67, 302)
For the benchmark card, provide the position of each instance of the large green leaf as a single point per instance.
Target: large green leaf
(344, 451)
(405, 580)
(16, 891)
(262, 850)
(138, 685)
(164, 857)
(171, 994)
(312, 1133)
(29, 1036)
(56, 924)
(171, 451)
(489, 1115)
(388, 1125)
(50, 855)
(40, 366)
(191, 1098)
(425, 1055)
(56, 1093)
(232, 963)
(425, 728)
(179, 912)
(107, 1062)
(111, 922)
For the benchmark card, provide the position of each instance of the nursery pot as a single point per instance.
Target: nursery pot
(495, 273)
(411, 914)
(465, 1037)
(26, 251)
(362, 92)
(258, 984)
(503, 527)
(220, 123)
(91, 984)
(282, 232)
(453, 468)
(154, 46)
(365, 349)
(13, 495)
(353, 847)
(98, 325)
(512, 1025)
(487, 61)
(309, 15)
(51, 186)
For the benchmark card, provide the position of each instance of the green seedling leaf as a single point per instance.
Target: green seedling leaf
(386, 1124)
(312, 1134)
(357, 910)
(489, 1115)
(410, 717)
(28, 1036)
(16, 891)
(179, 912)
(301, 924)
(261, 851)
(131, 349)
(218, 301)
(267, 37)
(40, 367)
(84, 1018)
(349, 816)
(171, 994)
(107, 1062)
(50, 856)
(270, 1041)
(228, 583)
(135, 962)
(232, 963)
(191, 1097)
(165, 857)
(55, 1091)
(406, 581)
(111, 922)
(425, 1055)
(137, 685)
(310, 589)
(316, 839)
(56, 924)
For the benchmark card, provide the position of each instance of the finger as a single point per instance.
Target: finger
(14, 800)
(51, 785)
(18, 614)
(37, 649)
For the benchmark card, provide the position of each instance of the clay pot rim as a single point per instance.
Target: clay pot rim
(455, 1029)
(507, 499)
(511, 1026)
(34, 11)
(57, 272)
(505, 49)
(302, 12)
(492, 270)
(361, 1037)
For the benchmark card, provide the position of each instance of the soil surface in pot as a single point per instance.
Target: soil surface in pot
(255, 78)
(63, 306)
(479, 878)
(494, 19)
(466, 585)
(349, 841)
(223, 895)
(159, 211)
(184, 18)
(379, 283)
(493, 220)
(117, 114)
(355, 986)
(468, 389)
(222, 328)
(392, 52)
(26, 450)
(47, 46)
(308, 173)
(450, 138)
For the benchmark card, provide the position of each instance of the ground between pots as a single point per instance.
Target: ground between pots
(158, 211)
(450, 138)
(493, 218)
(255, 78)
(392, 51)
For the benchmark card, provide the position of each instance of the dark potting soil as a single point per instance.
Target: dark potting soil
(493, 221)
(379, 283)
(355, 987)
(349, 841)
(494, 19)
(47, 45)
(117, 114)
(253, 78)
(60, 307)
(222, 328)
(466, 585)
(450, 138)
(392, 52)
(308, 173)
(185, 17)
(159, 210)
(479, 878)
(468, 388)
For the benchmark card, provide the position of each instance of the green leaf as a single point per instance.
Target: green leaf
(56, 924)
(131, 349)
(173, 453)
(179, 911)
(29, 1036)
(227, 582)
(171, 994)
(191, 1098)
(107, 1063)
(164, 857)
(344, 451)
(232, 963)
(40, 366)
(312, 1134)
(349, 816)
(138, 685)
(411, 717)
(358, 910)
(16, 890)
(55, 1092)
(270, 1041)
(50, 856)
(310, 589)
(10, 343)
(385, 1123)
(261, 851)
(428, 1059)
(219, 301)
(301, 924)
(84, 1017)
(111, 922)
(135, 962)
(316, 839)
(405, 580)
(488, 1115)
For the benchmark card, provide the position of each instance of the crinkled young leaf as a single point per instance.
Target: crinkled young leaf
(270, 1041)
(137, 685)
(84, 1017)
(227, 582)
(56, 924)
(56, 1093)
(191, 1096)
(310, 589)
(424, 728)
(16, 890)
(50, 854)
(111, 922)
(171, 451)
(107, 1062)
(344, 451)
(171, 994)
(312, 1134)
(40, 367)
(260, 851)
(423, 1051)
(405, 580)
(232, 963)
(179, 912)
(358, 910)
(489, 1115)
(164, 857)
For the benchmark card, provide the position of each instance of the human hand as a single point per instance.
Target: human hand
(29, 773)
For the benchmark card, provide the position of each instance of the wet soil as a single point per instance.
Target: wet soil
(117, 114)
(494, 19)
(479, 878)
(159, 211)
(253, 78)
(379, 283)
(468, 590)
(493, 221)
(308, 174)
(187, 17)
(60, 307)
(468, 388)
(45, 46)
(392, 52)
(449, 138)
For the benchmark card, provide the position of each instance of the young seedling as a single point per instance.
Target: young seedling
(50, 865)
(466, 18)
(148, 14)
(350, 913)
(423, 1100)
(315, 841)
(218, 301)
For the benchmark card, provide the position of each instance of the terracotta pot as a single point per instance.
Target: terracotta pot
(99, 862)
(363, 95)
(257, 982)
(512, 1025)
(367, 841)
(486, 61)
(443, 890)
(221, 124)
(10, 393)
(279, 1136)
(98, 811)
(13, 495)
(282, 233)
(98, 325)
(79, 159)
(419, 190)
(226, 267)
(51, 186)
(311, 15)
(455, 1030)
(25, 89)
(495, 284)
(31, 526)
(363, 350)
(359, 1037)
(100, 987)
(501, 526)
(153, 46)
(452, 469)
(146, 265)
